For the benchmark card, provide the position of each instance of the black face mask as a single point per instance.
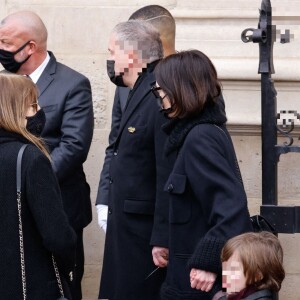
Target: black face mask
(117, 80)
(166, 112)
(7, 59)
(36, 123)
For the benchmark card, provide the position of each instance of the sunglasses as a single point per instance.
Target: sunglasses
(154, 90)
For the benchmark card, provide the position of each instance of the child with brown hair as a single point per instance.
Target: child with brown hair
(252, 266)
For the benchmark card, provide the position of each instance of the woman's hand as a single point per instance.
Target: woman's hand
(160, 256)
(202, 280)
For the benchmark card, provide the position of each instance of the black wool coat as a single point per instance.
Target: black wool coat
(46, 228)
(137, 177)
(121, 95)
(208, 203)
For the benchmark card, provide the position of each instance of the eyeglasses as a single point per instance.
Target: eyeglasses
(34, 105)
(154, 90)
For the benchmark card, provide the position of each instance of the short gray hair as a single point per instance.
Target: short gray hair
(144, 34)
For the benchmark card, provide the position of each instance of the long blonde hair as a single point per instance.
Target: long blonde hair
(17, 93)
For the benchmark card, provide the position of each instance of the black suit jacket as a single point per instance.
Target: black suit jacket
(65, 96)
(120, 100)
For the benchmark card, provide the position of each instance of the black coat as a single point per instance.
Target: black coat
(65, 96)
(208, 203)
(137, 176)
(259, 295)
(46, 229)
(120, 100)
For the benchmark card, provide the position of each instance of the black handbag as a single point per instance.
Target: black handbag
(259, 223)
(18, 173)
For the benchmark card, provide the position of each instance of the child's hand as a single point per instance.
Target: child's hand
(202, 280)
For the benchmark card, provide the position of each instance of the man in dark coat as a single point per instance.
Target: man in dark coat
(121, 95)
(65, 96)
(162, 20)
(137, 172)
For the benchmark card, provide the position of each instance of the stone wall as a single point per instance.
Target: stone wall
(78, 35)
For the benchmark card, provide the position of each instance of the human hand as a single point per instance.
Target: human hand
(202, 280)
(160, 256)
(102, 216)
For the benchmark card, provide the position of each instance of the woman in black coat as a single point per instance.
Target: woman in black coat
(208, 203)
(45, 227)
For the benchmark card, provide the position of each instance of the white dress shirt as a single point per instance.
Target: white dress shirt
(35, 75)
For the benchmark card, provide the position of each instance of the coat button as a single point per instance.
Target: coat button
(170, 187)
(116, 153)
(109, 211)
(110, 180)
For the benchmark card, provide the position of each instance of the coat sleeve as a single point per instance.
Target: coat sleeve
(219, 192)
(164, 165)
(76, 130)
(103, 187)
(44, 201)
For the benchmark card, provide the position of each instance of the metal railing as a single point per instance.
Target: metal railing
(285, 219)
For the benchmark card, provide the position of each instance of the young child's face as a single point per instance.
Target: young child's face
(233, 278)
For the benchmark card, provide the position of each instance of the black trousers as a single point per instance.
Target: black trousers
(79, 268)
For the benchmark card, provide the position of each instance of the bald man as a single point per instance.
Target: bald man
(65, 97)
(162, 20)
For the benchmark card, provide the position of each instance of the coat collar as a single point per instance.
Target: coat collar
(9, 136)
(47, 76)
(178, 129)
(138, 94)
(262, 294)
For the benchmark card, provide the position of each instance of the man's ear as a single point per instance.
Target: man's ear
(32, 47)
(258, 276)
(132, 58)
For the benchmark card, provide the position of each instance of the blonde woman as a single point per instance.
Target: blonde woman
(46, 230)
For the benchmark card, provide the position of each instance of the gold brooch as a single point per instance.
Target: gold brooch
(131, 129)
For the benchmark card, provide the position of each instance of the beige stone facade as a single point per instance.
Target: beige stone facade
(78, 35)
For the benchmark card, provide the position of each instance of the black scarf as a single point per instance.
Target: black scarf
(178, 129)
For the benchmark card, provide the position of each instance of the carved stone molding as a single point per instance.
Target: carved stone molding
(253, 130)
(232, 9)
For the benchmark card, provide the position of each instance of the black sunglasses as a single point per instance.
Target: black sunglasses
(154, 90)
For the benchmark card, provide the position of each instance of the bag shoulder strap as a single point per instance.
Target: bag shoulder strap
(18, 175)
(19, 163)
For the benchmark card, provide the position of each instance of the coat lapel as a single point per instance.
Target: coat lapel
(123, 96)
(136, 99)
(47, 75)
